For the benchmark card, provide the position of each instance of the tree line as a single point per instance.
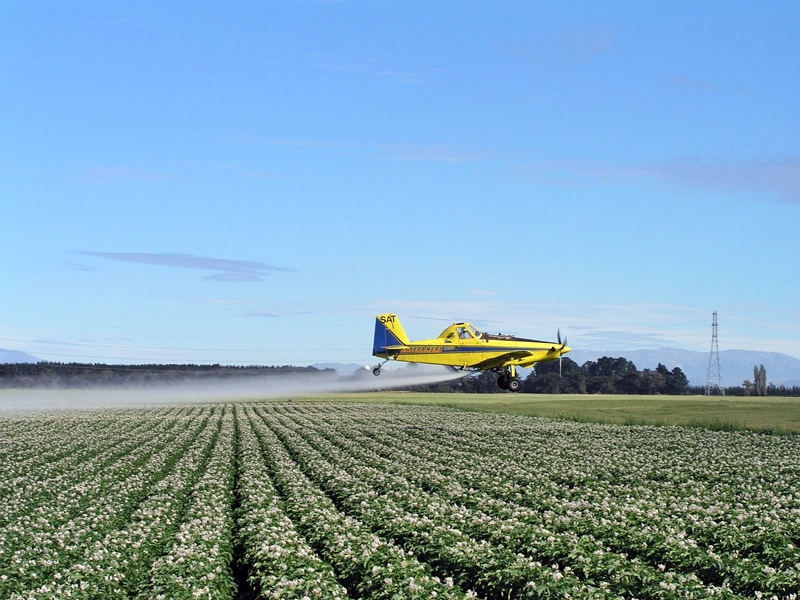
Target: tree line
(82, 375)
(605, 375)
(608, 375)
(757, 387)
(740, 390)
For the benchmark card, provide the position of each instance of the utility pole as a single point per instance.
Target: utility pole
(714, 377)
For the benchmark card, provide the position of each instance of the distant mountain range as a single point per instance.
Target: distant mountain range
(735, 365)
(15, 356)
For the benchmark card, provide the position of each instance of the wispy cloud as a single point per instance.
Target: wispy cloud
(481, 292)
(778, 176)
(228, 270)
(433, 153)
(261, 314)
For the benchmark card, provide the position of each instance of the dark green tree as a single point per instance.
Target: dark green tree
(760, 380)
(545, 378)
(609, 375)
(664, 381)
(677, 382)
(653, 382)
(483, 383)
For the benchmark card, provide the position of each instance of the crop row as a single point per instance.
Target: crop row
(118, 526)
(557, 532)
(640, 551)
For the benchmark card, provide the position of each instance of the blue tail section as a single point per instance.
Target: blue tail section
(388, 332)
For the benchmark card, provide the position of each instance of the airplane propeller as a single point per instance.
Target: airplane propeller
(560, 356)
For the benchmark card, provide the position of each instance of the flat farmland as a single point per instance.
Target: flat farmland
(370, 500)
(773, 414)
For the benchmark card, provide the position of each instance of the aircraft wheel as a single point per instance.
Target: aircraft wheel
(376, 371)
(502, 382)
(514, 384)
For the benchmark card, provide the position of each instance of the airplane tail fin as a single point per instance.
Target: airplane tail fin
(388, 332)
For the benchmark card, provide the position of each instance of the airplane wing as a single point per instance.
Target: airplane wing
(500, 360)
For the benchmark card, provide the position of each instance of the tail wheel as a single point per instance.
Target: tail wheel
(502, 382)
(376, 371)
(514, 384)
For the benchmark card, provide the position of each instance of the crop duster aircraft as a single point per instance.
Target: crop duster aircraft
(464, 348)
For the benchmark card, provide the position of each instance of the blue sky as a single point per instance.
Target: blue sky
(198, 182)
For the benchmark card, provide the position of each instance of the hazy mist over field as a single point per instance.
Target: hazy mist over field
(224, 390)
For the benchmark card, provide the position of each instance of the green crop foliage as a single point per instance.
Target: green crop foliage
(378, 500)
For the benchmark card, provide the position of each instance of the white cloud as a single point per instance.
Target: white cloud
(230, 270)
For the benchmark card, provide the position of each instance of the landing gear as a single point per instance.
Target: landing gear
(509, 380)
(377, 370)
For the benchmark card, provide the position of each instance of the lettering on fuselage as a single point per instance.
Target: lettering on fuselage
(421, 350)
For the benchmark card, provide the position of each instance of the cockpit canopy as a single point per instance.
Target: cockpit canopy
(461, 331)
(467, 332)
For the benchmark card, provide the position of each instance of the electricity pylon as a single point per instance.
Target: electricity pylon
(714, 377)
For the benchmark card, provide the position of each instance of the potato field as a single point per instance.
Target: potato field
(336, 500)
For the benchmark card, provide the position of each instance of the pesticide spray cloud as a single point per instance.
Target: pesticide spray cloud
(225, 390)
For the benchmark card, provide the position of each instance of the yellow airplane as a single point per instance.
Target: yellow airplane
(463, 347)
